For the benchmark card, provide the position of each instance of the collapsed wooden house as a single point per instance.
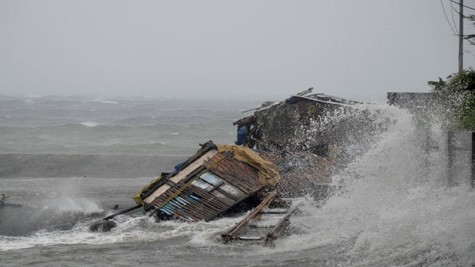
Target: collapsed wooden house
(214, 181)
(218, 180)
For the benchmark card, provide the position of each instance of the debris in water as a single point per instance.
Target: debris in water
(11, 205)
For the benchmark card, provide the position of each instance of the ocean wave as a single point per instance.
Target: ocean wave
(58, 215)
(105, 101)
(129, 229)
(89, 124)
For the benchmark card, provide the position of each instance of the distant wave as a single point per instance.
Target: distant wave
(33, 96)
(89, 124)
(104, 101)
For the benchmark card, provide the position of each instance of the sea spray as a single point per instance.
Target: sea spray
(390, 211)
(62, 213)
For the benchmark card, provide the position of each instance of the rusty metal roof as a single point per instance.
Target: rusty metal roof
(207, 185)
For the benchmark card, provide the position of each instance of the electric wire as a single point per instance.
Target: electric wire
(462, 5)
(472, 17)
(453, 19)
(447, 18)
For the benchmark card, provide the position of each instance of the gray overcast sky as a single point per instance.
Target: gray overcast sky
(225, 49)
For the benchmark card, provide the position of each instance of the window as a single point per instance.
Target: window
(203, 185)
(208, 181)
(211, 179)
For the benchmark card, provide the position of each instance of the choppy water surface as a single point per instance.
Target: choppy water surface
(394, 209)
(129, 126)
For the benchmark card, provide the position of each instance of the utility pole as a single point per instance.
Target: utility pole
(461, 38)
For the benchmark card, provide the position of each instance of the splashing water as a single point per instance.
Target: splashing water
(83, 205)
(396, 209)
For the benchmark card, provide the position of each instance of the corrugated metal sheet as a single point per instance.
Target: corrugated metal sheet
(216, 186)
(237, 173)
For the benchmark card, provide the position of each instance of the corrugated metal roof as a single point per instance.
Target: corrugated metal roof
(240, 174)
(215, 186)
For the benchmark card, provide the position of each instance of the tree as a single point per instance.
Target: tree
(456, 99)
(470, 37)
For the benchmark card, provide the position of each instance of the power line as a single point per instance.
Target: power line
(453, 19)
(462, 5)
(447, 18)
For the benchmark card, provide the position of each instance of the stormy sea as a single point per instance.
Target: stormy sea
(69, 161)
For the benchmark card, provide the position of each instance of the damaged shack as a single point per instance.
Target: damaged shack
(216, 180)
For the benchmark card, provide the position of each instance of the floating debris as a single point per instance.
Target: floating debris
(3, 203)
(263, 223)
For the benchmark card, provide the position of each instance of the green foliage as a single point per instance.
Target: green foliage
(456, 97)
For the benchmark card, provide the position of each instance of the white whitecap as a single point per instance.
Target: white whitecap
(33, 96)
(84, 205)
(104, 101)
(89, 124)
